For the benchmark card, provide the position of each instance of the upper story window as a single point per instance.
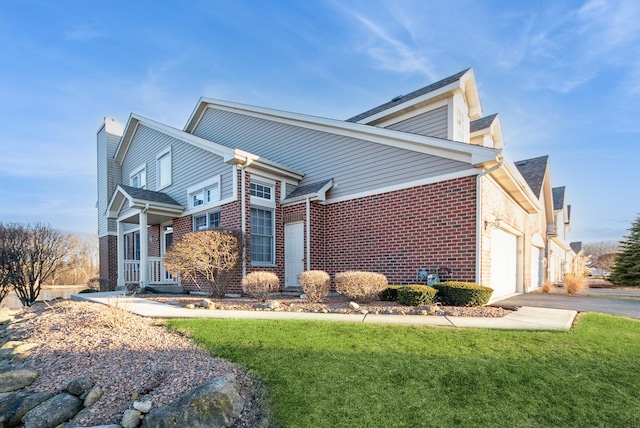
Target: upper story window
(263, 191)
(205, 192)
(210, 220)
(138, 178)
(163, 169)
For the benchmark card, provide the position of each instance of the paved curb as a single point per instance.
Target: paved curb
(526, 318)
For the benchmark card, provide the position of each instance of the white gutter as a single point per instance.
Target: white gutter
(243, 219)
(479, 215)
(308, 224)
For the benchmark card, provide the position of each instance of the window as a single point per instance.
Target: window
(263, 191)
(210, 220)
(204, 193)
(262, 232)
(138, 178)
(163, 168)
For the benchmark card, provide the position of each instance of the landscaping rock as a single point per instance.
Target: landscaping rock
(173, 302)
(143, 406)
(190, 306)
(56, 410)
(363, 311)
(271, 304)
(92, 396)
(14, 380)
(79, 386)
(207, 304)
(8, 347)
(131, 418)
(15, 405)
(354, 305)
(213, 404)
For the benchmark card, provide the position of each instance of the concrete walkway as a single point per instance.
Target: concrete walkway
(526, 318)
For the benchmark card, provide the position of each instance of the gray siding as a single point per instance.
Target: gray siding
(432, 123)
(109, 175)
(355, 165)
(189, 164)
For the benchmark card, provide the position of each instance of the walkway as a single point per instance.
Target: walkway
(526, 318)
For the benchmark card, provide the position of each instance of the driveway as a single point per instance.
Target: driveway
(581, 303)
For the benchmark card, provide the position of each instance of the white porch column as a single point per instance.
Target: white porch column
(120, 252)
(144, 251)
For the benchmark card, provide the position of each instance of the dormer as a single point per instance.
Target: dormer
(487, 132)
(443, 109)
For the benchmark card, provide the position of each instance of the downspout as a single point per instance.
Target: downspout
(243, 218)
(308, 224)
(479, 214)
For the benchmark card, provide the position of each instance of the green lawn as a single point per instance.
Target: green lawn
(323, 374)
(605, 296)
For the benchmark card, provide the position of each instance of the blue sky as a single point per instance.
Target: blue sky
(564, 76)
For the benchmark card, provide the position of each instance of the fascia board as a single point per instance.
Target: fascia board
(447, 149)
(523, 188)
(118, 194)
(135, 120)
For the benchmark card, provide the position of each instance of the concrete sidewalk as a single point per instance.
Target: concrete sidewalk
(526, 318)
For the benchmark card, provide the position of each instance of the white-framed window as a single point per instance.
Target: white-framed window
(163, 169)
(204, 193)
(138, 178)
(262, 236)
(262, 190)
(206, 221)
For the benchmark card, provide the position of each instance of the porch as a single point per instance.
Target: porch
(156, 273)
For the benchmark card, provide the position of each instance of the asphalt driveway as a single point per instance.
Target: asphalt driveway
(582, 303)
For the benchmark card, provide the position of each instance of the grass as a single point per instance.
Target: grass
(322, 374)
(605, 296)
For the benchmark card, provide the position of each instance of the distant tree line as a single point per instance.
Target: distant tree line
(33, 255)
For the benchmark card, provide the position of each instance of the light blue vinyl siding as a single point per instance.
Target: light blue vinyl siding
(432, 123)
(108, 178)
(355, 165)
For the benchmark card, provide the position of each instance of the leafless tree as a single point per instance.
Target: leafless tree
(603, 254)
(206, 256)
(30, 255)
(81, 263)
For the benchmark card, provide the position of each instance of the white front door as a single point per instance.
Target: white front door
(167, 240)
(293, 253)
(536, 279)
(504, 263)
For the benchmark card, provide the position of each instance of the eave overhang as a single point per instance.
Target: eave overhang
(510, 179)
(159, 210)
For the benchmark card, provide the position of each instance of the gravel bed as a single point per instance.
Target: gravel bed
(127, 356)
(336, 304)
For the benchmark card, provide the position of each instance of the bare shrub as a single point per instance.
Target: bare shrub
(315, 285)
(117, 313)
(259, 284)
(363, 286)
(548, 287)
(573, 283)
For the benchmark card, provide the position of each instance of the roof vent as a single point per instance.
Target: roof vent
(398, 98)
(520, 163)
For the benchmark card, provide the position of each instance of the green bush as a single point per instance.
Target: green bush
(390, 294)
(363, 286)
(416, 295)
(463, 293)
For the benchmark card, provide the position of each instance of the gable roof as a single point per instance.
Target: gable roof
(149, 195)
(159, 206)
(315, 190)
(558, 198)
(534, 170)
(463, 81)
(482, 123)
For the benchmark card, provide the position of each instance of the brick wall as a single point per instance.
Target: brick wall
(108, 248)
(396, 233)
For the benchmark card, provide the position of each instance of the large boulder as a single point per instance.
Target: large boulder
(14, 380)
(79, 386)
(216, 403)
(15, 405)
(53, 412)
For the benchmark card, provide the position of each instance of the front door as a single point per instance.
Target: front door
(167, 240)
(293, 253)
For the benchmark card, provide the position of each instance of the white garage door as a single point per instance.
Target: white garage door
(504, 262)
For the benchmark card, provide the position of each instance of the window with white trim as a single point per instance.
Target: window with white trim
(163, 169)
(262, 191)
(206, 221)
(138, 178)
(262, 236)
(204, 193)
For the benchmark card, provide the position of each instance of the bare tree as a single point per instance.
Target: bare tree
(81, 262)
(31, 254)
(206, 256)
(603, 254)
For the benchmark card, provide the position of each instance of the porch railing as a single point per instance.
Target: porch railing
(156, 272)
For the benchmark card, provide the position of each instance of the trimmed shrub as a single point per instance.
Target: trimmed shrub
(315, 284)
(363, 286)
(260, 283)
(455, 293)
(390, 294)
(416, 295)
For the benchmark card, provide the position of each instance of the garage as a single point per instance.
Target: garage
(504, 262)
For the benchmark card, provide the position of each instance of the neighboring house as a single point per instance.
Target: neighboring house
(416, 183)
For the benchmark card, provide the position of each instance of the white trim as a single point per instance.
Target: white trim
(166, 151)
(108, 234)
(142, 171)
(417, 112)
(203, 186)
(209, 207)
(264, 182)
(407, 185)
(272, 210)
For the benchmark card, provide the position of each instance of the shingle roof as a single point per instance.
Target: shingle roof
(558, 197)
(308, 189)
(404, 98)
(576, 246)
(533, 170)
(149, 195)
(482, 123)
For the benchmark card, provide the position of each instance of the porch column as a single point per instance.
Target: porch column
(120, 252)
(144, 251)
